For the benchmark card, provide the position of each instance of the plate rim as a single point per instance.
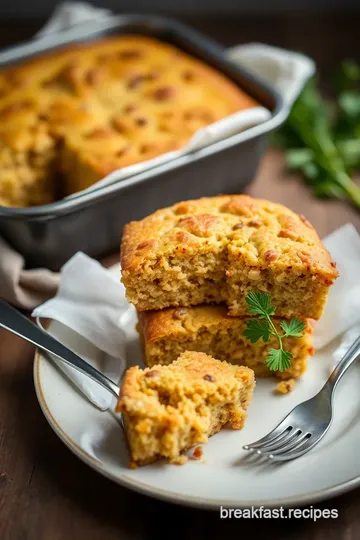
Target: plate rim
(173, 497)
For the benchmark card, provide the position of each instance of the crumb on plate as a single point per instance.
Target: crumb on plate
(197, 453)
(284, 387)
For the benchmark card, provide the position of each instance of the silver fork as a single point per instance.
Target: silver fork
(308, 422)
(12, 320)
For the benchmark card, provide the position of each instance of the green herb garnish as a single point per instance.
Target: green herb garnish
(260, 304)
(322, 139)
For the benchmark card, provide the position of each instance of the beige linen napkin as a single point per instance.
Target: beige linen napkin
(286, 70)
(25, 289)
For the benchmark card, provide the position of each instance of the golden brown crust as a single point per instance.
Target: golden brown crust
(243, 222)
(190, 368)
(168, 322)
(259, 243)
(168, 332)
(110, 104)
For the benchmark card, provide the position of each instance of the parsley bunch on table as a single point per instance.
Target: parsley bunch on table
(263, 327)
(322, 138)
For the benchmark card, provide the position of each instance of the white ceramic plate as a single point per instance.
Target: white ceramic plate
(225, 476)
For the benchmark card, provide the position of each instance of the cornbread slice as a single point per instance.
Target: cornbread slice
(217, 249)
(169, 409)
(167, 333)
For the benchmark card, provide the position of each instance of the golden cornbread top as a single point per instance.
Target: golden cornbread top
(181, 387)
(115, 102)
(180, 321)
(262, 233)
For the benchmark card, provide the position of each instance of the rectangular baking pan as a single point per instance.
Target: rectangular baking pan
(92, 222)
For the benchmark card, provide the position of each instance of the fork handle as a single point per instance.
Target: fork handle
(348, 359)
(12, 320)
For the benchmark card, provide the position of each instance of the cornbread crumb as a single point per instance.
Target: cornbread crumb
(209, 329)
(197, 453)
(181, 406)
(217, 249)
(179, 460)
(284, 387)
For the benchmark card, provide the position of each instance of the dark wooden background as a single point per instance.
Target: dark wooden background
(48, 494)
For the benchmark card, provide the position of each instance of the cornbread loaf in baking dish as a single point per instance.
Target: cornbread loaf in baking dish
(167, 333)
(169, 409)
(217, 249)
(69, 118)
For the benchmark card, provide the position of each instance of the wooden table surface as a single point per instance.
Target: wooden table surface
(46, 493)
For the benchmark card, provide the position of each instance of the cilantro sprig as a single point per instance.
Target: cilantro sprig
(264, 327)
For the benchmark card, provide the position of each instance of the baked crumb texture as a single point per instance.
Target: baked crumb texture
(216, 250)
(69, 118)
(167, 333)
(170, 409)
(284, 387)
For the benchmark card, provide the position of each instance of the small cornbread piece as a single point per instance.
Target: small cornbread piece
(169, 409)
(218, 249)
(169, 332)
(284, 387)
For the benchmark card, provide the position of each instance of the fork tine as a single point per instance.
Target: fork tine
(306, 444)
(295, 443)
(271, 437)
(280, 443)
